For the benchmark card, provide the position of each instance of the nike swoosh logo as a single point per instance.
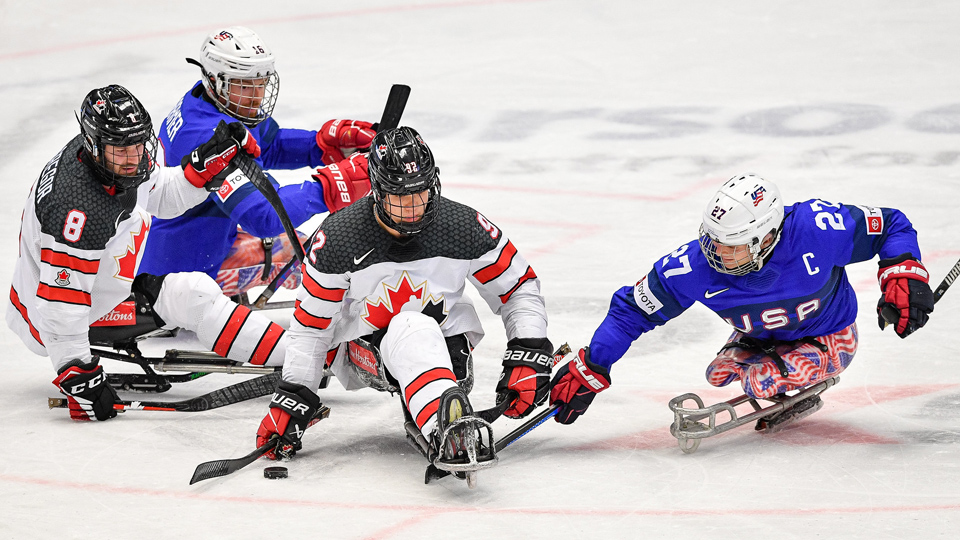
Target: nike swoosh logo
(708, 294)
(364, 256)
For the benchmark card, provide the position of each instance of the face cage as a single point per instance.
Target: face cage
(237, 96)
(146, 166)
(709, 248)
(430, 212)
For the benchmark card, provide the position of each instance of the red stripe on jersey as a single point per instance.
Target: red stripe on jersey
(229, 333)
(308, 320)
(331, 356)
(528, 276)
(55, 258)
(427, 412)
(60, 294)
(426, 378)
(267, 344)
(493, 271)
(321, 292)
(15, 300)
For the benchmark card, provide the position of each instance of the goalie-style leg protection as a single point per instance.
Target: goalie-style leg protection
(789, 366)
(192, 300)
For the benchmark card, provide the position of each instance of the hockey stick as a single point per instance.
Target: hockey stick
(396, 102)
(249, 389)
(491, 414)
(433, 473)
(223, 467)
(891, 315)
(393, 110)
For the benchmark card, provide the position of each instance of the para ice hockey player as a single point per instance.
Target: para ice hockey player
(83, 230)
(239, 82)
(382, 303)
(776, 275)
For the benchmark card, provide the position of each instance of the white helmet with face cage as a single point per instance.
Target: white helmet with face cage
(239, 74)
(743, 213)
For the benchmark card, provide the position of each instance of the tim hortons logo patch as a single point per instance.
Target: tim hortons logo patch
(123, 315)
(363, 358)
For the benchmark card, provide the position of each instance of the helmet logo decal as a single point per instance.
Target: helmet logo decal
(757, 195)
(100, 105)
(381, 150)
(223, 36)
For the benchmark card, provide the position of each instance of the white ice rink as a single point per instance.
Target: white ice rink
(592, 132)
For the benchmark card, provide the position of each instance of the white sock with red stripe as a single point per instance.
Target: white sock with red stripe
(192, 300)
(414, 352)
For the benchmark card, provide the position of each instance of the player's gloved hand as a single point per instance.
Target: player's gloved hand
(88, 394)
(345, 182)
(527, 364)
(903, 281)
(340, 138)
(291, 411)
(576, 384)
(210, 164)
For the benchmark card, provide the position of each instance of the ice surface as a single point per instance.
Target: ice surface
(593, 133)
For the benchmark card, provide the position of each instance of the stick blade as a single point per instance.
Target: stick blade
(210, 469)
(393, 110)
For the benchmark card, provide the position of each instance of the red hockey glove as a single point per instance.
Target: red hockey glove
(903, 281)
(527, 364)
(291, 413)
(576, 384)
(210, 164)
(340, 138)
(88, 394)
(344, 183)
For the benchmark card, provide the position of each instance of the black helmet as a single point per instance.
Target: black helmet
(113, 116)
(400, 163)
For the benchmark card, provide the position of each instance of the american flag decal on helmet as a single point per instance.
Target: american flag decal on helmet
(757, 195)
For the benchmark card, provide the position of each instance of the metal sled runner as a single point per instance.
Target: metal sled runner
(691, 424)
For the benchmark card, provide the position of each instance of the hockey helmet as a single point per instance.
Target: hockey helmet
(401, 164)
(737, 222)
(115, 126)
(239, 74)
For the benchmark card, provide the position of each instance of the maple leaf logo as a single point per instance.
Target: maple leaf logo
(63, 278)
(378, 313)
(127, 264)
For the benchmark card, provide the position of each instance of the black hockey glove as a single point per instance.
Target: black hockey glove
(576, 384)
(906, 297)
(291, 410)
(527, 364)
(88, 394)
(210, 164)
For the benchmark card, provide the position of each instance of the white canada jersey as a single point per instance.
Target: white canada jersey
(358, 277)
(80, 248)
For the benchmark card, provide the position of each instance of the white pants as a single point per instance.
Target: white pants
(414, 352)
(192, 300)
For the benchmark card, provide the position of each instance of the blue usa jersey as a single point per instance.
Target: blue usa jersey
(801, 291)
(200, 239)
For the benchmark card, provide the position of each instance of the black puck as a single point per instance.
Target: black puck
(275, 472)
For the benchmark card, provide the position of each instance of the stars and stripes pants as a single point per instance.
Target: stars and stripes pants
(805, 364)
